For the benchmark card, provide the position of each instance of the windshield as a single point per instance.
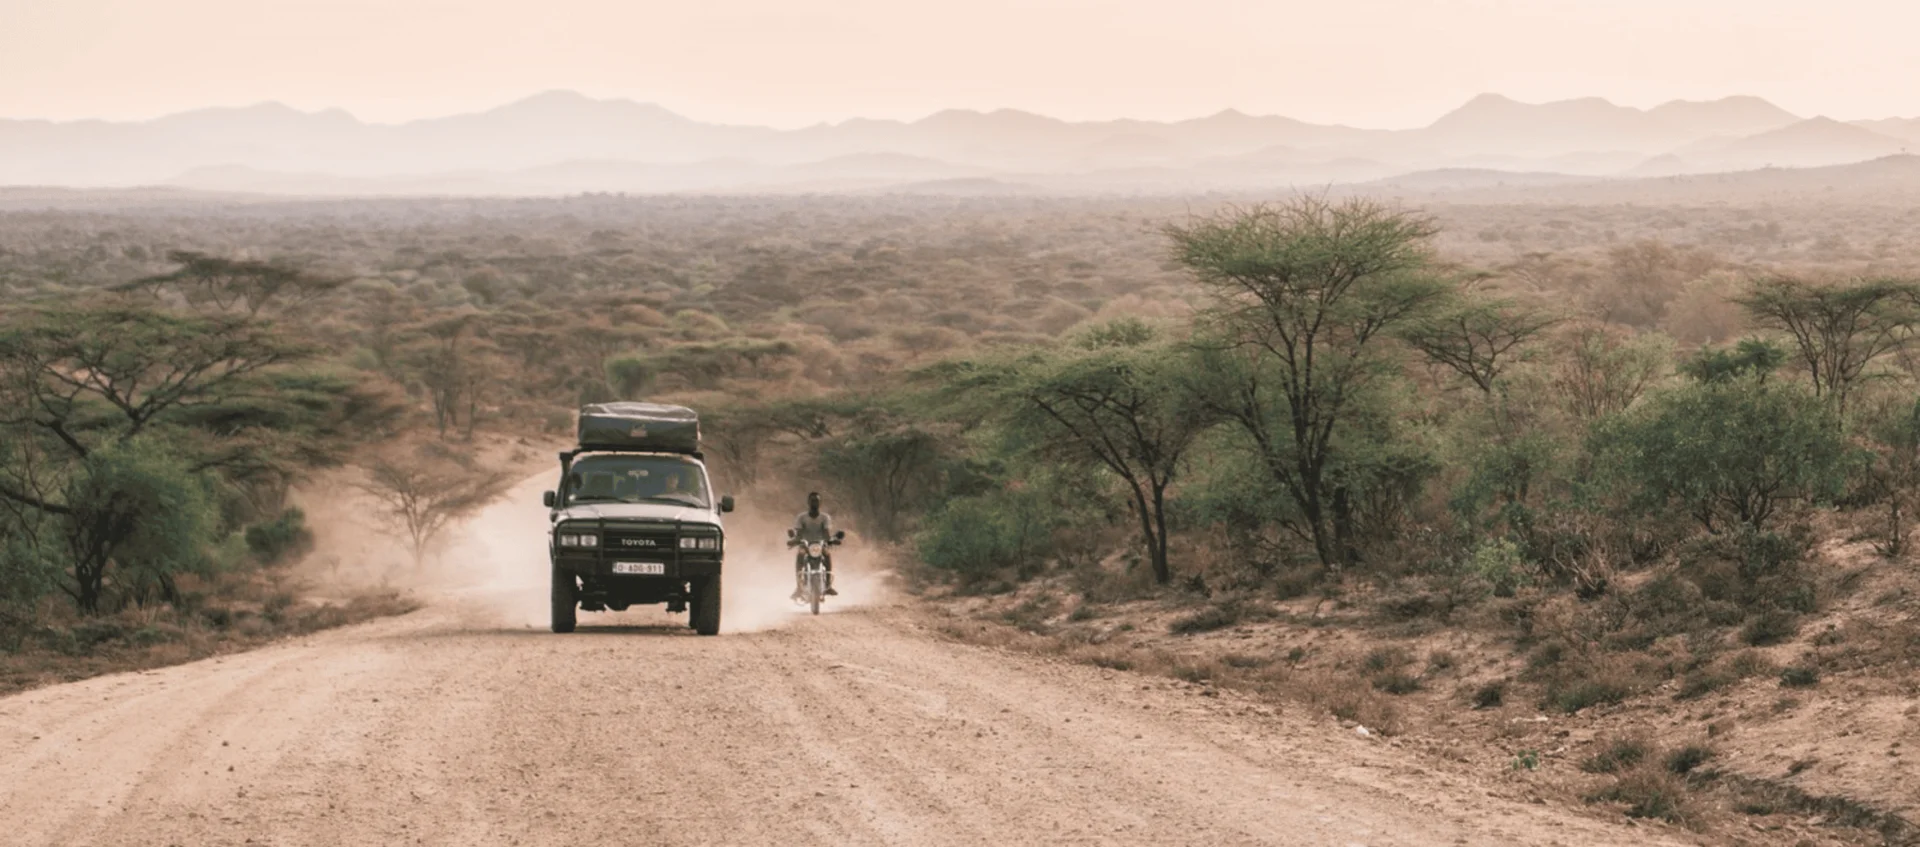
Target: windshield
(636, 479)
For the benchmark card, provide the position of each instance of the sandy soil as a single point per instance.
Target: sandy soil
(467, 724)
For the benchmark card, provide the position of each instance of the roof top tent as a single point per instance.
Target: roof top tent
(640, 427)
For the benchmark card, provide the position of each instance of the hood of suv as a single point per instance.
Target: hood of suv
(636, 512)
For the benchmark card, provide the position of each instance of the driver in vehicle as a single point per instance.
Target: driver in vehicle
(812, 525)
(596, 487)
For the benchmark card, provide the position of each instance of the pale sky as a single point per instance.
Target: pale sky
(1374, 63)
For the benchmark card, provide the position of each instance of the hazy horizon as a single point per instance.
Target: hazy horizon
(509, 100)
(1368, 63)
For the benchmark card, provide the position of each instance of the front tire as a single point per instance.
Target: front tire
(706, 606)
(564, 600)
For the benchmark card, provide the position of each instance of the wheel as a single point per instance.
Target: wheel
(693, 610)
(564, 591)
(814, 592)
(706, 606)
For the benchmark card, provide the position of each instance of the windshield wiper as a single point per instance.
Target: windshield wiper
(689, 499)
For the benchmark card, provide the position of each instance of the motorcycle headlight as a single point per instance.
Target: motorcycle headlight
(815, 548)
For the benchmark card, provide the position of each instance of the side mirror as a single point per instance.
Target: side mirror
(840, 535)
(726, 503)
(791, 533)
(547, 498)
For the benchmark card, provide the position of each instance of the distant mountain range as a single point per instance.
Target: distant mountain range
(563, 142)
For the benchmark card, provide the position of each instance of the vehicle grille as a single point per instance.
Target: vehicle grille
(640, 542)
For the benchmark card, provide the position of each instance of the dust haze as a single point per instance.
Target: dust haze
(494, 563)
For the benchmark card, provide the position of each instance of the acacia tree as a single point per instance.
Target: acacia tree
(140, 509)
(419, 496)
(114, 419)
(1305, 294)
(1115, 399)
(88, 378)
(1838, 329)
(240, 286)
(890, 465)
(441, 363)
(1892, 433)
(1477, 338)
(1603, 369)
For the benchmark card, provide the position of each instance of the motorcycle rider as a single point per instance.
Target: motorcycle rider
(812, 525)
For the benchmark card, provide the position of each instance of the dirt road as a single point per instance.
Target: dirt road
(458, 726)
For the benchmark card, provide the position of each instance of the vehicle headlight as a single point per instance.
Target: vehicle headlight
(815, 548)
(573, 540)
(699, 542)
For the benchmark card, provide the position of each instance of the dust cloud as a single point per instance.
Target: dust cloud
(493, 566)
(758, 577)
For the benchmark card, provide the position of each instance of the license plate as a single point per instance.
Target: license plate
(656, 568)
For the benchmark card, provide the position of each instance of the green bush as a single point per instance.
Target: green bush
(143, 516)
(1729, 453)
(1499, 563)
(973, 537)
(27, 574)
(630, 376)
(280, 539)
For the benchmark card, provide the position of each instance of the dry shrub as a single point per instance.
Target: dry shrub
(1773, 626)
(1227, 612)
(1110, 656)
(1800, 676)
(1033, 613)
(1648, 793)
(1197, 670)
(1387, 667)
(1491, 695)
(1396, 682)
(1589, 681)
(1387, 658)
(1686, 759)
(1350, 699)
(1618, 755)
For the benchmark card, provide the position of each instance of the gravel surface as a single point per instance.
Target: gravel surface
(466, 723)
(850, 728)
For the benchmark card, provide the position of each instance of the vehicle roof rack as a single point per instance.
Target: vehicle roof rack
(639, 427)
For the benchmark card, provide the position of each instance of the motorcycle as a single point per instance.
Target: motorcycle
(813, 567)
